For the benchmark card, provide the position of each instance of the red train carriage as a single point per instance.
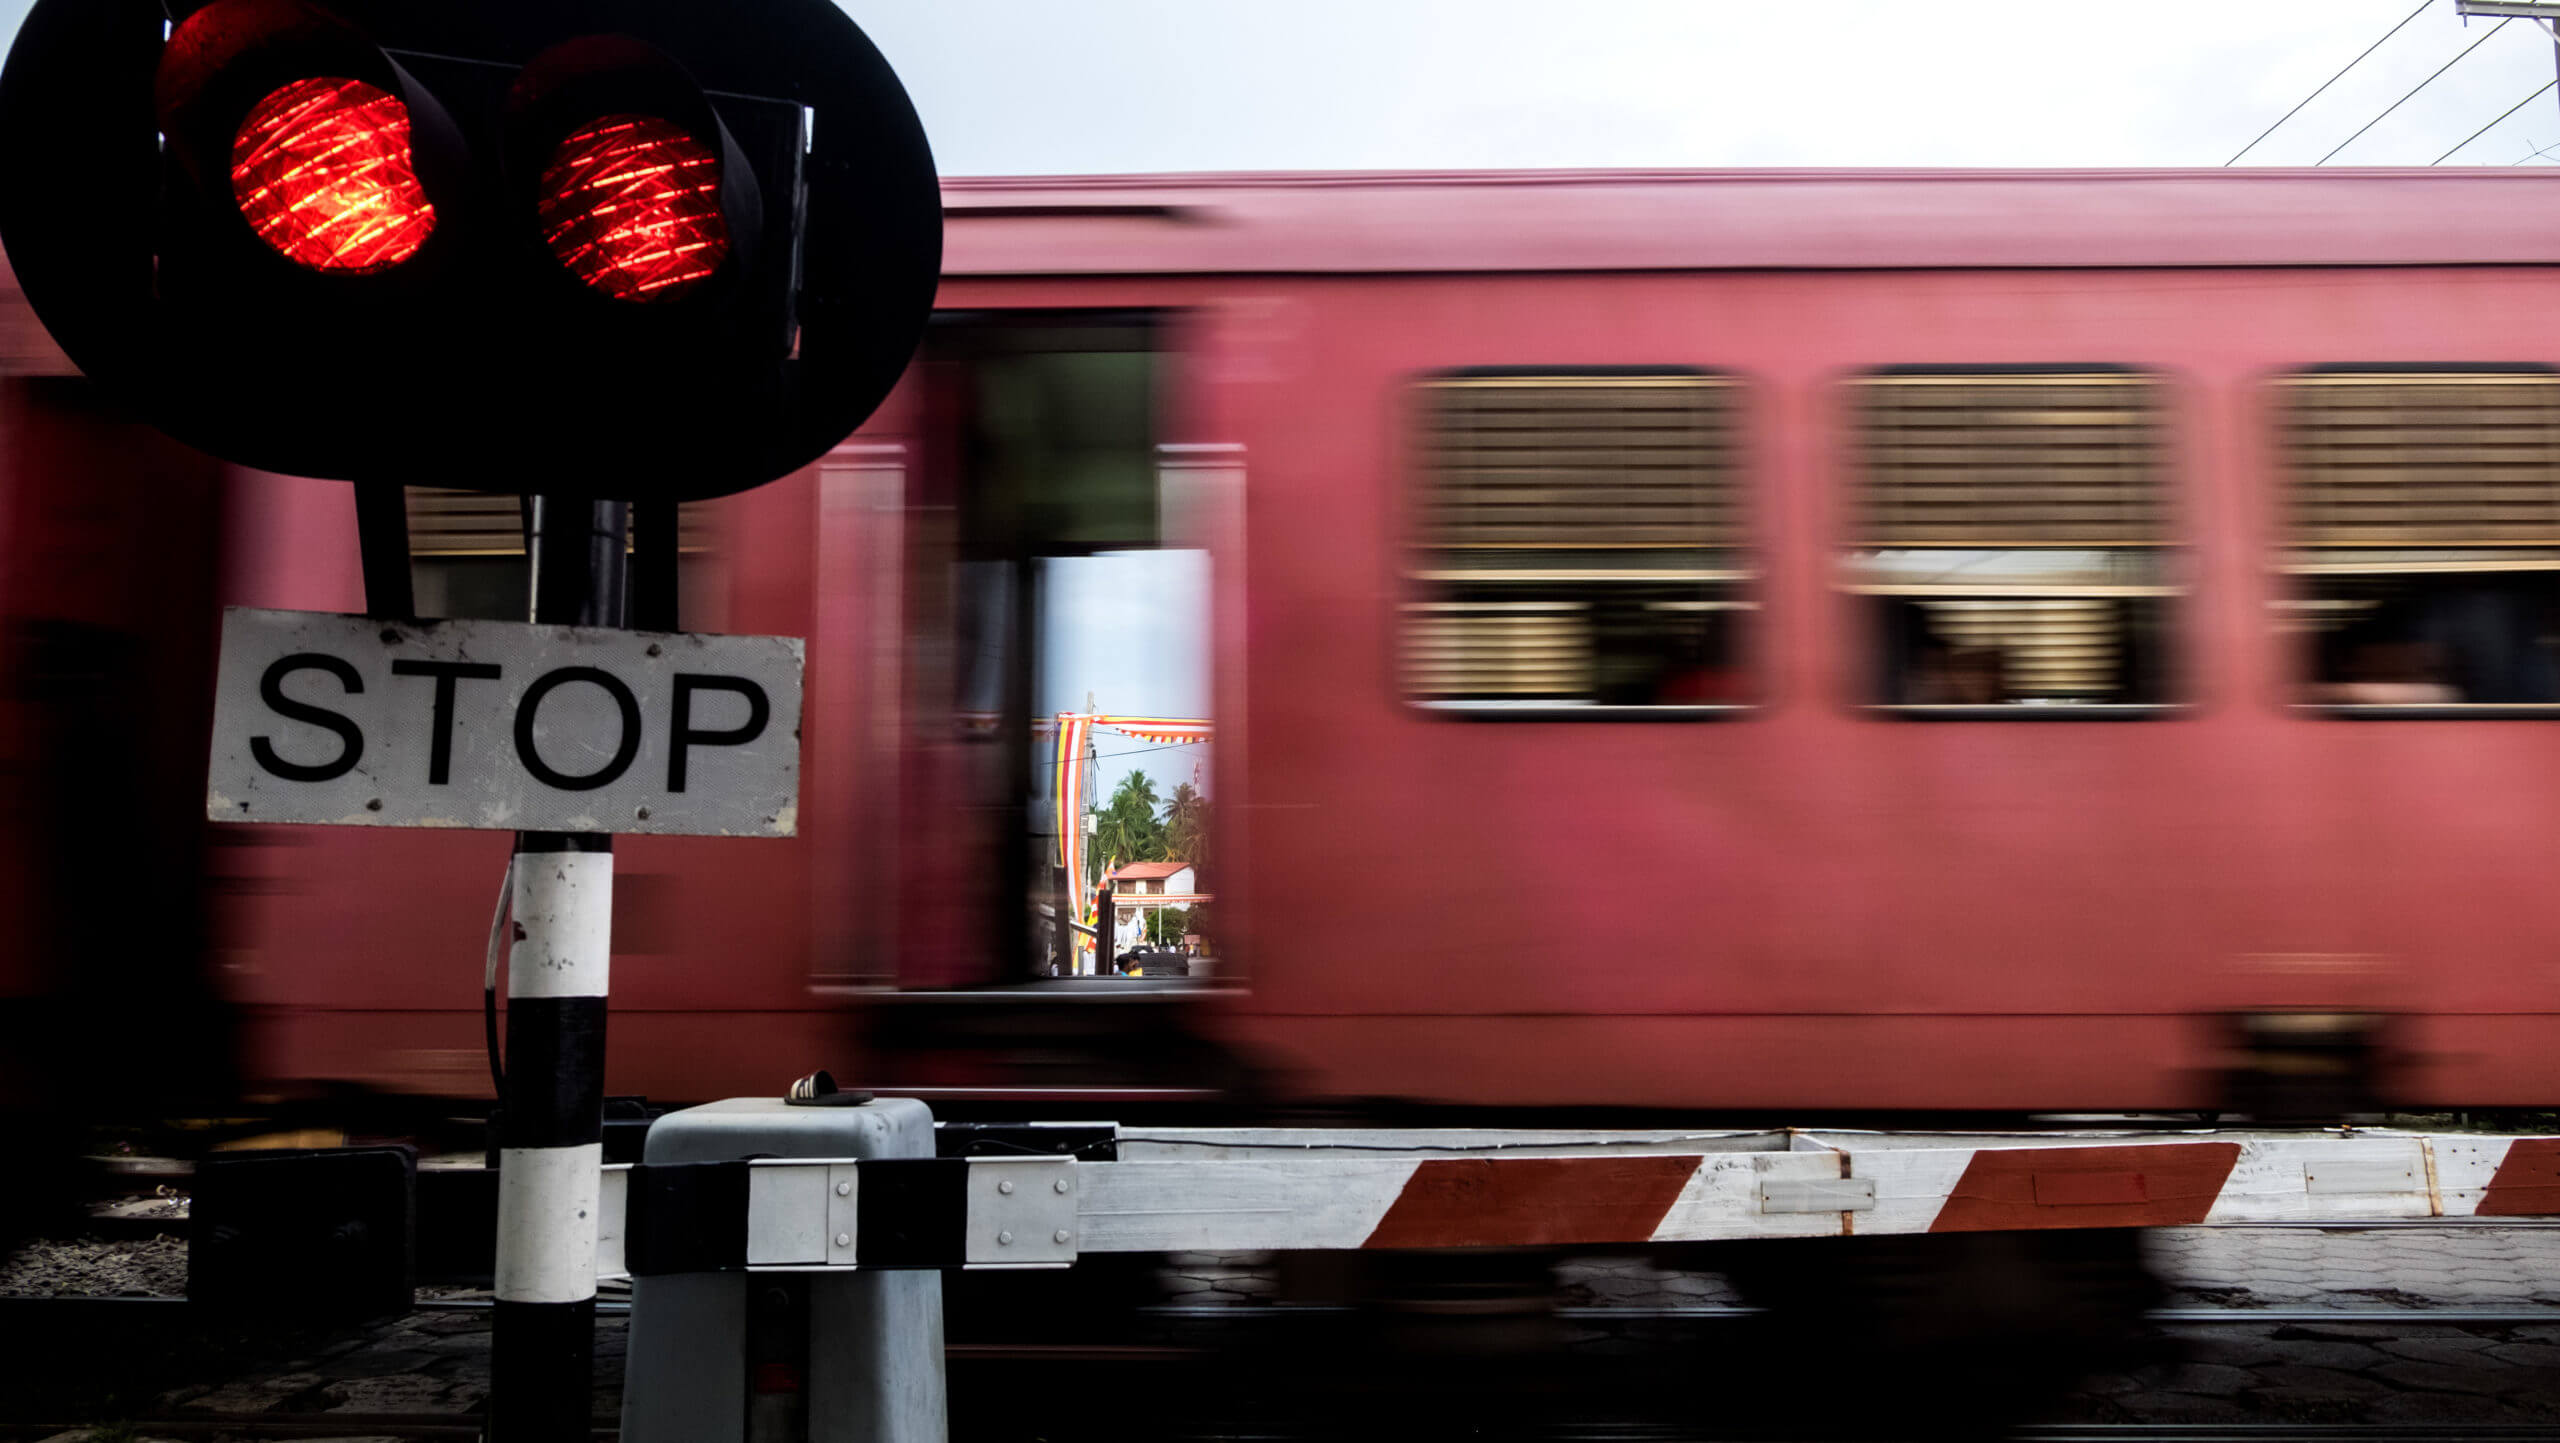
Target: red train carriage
(107, 599)
(1807, 641)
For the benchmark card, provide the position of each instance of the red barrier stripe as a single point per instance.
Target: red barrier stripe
(2527, 1183)
(2088, 1187)
(1519, 1202)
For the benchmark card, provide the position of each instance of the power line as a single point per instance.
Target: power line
(2510, 110)
(2332, 80)
(2413, 90)
(1142, 751)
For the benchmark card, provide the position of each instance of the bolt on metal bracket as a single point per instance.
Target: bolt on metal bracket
(1022, 1212)
(802, 1214)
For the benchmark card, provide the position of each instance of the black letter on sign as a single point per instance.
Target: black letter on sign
(622, 755)
(446, 673)
(759, 711)
(271, 691)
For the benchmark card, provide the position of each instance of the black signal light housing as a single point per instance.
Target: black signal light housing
(460, 348)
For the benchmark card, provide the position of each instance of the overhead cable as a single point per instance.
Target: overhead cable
(2413, 90)
(2510, 110)
(2332, 80)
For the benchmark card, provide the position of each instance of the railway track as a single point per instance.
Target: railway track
(1702, 1313)
(467, 1425)
(1169, 1383)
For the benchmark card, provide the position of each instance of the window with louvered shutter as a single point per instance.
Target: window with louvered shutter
(466, 551)
(2422, 518)
(2010, 531)
(1576, 543)
(1579, 464)
(444, 522)
(2046, 461)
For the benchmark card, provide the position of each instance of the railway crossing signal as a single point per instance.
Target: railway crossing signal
(592, 251)
(661, 247)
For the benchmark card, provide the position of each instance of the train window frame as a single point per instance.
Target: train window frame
(1417, 584)
(2174, 574)
(2289, 567)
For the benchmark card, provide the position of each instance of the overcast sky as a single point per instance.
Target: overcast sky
(1090, 86)
(1130, 630)
(1011, 87)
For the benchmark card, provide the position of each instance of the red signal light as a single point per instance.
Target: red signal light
(631, 205)
(322, 171)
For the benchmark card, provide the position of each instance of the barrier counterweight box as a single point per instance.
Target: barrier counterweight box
(829, 1356)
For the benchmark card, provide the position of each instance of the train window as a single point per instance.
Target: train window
(1578, 549)
(466, 554)
(2423, 546)
(2012, 545)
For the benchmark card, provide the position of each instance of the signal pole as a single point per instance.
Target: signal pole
(551, 1120)
(2542, 10)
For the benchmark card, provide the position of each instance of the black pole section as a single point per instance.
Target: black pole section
(1106, 931)
(382, 543)
(653, 565)
(551, 1121)
(579, 552)
(1062, 903)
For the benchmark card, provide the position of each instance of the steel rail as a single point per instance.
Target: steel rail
(461, 1425)
(2474, 1317)
(1695, 1312)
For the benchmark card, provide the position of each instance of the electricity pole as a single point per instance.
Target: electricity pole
(2542, 10)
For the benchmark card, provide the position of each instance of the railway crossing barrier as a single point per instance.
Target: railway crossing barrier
(799, 1209)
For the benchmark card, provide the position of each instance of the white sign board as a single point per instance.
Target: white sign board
(355, 721)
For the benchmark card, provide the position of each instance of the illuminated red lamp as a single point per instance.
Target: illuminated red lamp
(323, 173)
(630, 204)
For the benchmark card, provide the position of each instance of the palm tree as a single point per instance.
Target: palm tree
(1186, 826)
(1126, 827)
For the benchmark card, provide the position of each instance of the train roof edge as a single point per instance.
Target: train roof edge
(1613, 220)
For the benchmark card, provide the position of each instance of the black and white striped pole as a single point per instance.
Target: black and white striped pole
(551, 1118)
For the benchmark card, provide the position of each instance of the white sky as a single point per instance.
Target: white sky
(1131, 629)
(1096, 86)
(1011, 87)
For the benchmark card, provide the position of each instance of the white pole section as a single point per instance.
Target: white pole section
(551, 1137)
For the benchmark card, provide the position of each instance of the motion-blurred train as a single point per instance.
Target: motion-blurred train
(1813, 642)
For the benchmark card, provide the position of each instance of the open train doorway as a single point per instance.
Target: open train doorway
(1123, 804)
(1063, 579)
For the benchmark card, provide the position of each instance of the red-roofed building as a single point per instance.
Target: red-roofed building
(1138, 888)
(1154, 879)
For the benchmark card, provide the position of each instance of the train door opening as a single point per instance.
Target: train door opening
(1068, 603)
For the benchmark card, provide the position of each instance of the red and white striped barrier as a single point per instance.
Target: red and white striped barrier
(1226, 1189)
(1645, 1189)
